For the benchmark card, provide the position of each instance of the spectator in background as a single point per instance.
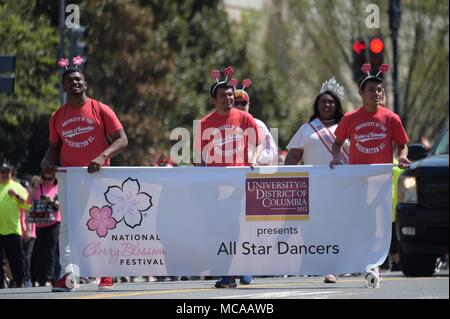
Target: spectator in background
(47, 233)
(28, 238)
(13, 197)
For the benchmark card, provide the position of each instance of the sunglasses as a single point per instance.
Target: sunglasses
(6, 171)
(243, 103)
(48, 178)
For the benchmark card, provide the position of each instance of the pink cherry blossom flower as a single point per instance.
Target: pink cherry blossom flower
(367, 67)
(247, 83)
(384, 68)
(215, 75)
(77, 60)
(63, 62)
(228, 71)
(101, 220)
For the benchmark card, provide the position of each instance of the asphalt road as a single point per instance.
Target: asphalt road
(393, 286)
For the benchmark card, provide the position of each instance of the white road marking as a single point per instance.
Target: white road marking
(284, 294)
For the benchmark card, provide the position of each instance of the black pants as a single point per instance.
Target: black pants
(45, 253)
(12, 245)
(27, 250)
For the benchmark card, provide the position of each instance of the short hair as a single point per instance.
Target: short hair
(71, 70)
(339, 111)
(215, 86)
(367, 79)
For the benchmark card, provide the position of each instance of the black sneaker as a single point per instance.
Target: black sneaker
(226, 282)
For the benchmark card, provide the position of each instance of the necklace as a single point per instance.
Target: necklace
(328, 121)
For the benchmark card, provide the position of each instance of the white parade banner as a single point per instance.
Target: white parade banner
(289, 220)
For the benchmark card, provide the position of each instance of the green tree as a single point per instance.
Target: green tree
(322, 33)
(34, 43)
(151, 61)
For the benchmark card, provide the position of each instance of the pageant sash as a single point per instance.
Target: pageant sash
(328, 138)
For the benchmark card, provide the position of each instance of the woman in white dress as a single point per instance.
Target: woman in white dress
(311, 144)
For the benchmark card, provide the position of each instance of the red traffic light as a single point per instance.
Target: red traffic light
(376, 45)
(359, 46)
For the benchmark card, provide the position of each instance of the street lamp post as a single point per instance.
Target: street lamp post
(394, 24)
(61, 44)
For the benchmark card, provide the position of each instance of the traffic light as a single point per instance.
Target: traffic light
(78, 43)
(359, 49)
(376, 52)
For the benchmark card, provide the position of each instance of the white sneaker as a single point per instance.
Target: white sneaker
(373, 278)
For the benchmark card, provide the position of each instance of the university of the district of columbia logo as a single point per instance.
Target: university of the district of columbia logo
(282, 196)
(126, 203)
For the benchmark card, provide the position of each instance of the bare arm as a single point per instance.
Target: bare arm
(403, 160)
(336, 150)
(50, 157)
(256, 154)
(120, 142)
(294, 156)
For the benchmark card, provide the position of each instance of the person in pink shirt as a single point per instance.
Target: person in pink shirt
(47, 231)
(83, 132)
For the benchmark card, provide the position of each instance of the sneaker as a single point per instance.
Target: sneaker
(246, 280)
(106, 283)
(226, 282)
(330, 279)
(65, 284)
(373, 278)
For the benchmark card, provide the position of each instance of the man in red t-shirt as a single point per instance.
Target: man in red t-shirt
(226, 133)
(223, 139)
(373, 130)
(79, 135)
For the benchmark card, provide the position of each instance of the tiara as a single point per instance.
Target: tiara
(333, 86)
(76, 60)
(367, 67)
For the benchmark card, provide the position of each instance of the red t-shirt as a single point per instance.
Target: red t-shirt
(371, 135)
(82, 131)
(225, 138)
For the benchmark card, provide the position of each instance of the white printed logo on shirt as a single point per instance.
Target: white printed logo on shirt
(79, 125)
(232, 144)
(368, 132)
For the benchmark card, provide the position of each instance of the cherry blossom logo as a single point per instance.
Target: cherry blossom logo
(101, 220)
(127, 203)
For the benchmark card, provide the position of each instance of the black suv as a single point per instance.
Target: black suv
(423, 211)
